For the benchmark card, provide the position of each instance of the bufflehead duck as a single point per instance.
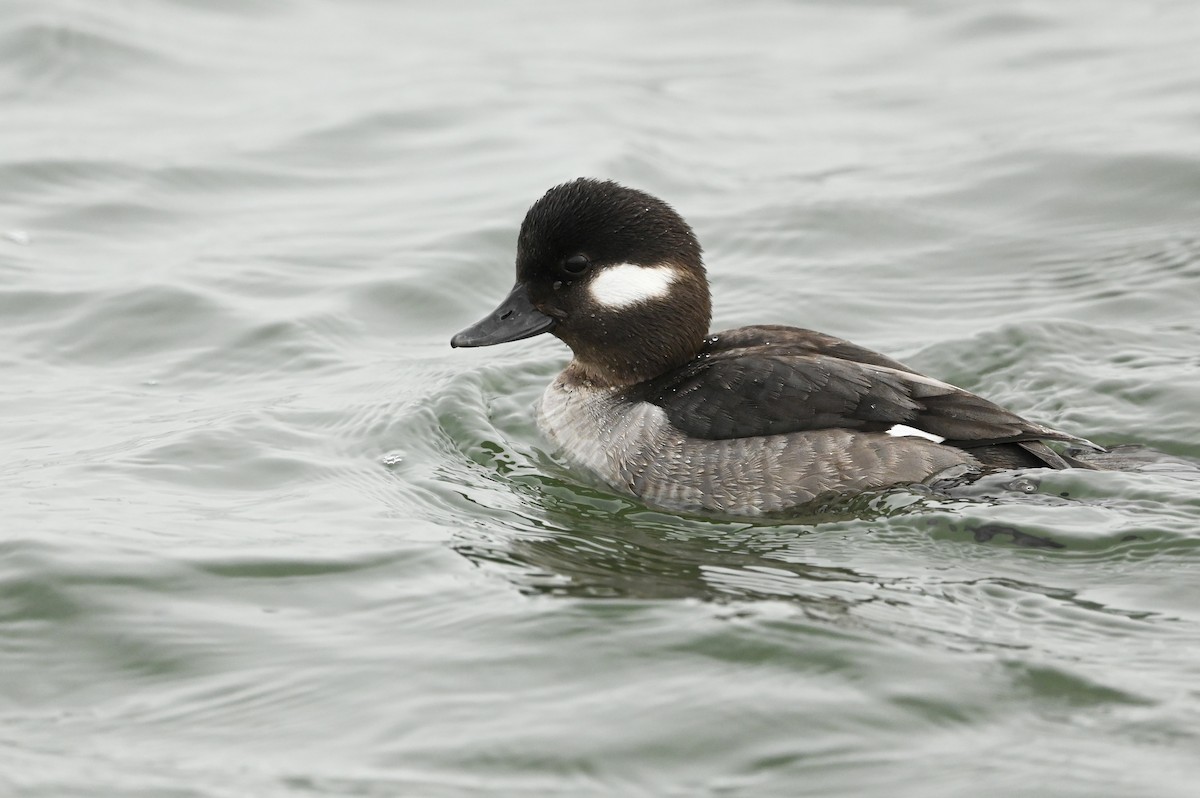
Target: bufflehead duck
(748, 421)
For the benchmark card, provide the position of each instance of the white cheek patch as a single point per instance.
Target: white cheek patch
(903, 430)
(627, 284)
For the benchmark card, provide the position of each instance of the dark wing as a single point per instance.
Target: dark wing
(786, 380)
(797, 341)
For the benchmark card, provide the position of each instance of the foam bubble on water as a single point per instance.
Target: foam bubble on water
(17, 236)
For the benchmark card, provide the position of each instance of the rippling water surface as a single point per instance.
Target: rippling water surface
(265, 534)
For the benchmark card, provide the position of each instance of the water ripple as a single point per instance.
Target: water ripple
(45, 56)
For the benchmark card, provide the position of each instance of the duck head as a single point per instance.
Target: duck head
(614, 273)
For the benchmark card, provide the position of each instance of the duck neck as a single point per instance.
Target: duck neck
(633, 353)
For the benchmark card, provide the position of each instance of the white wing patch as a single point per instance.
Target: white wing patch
(626, 284)
(903, 430)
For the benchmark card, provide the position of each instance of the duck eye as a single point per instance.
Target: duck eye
(576, 264)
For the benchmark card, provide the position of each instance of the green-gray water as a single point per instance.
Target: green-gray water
(265, 534)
